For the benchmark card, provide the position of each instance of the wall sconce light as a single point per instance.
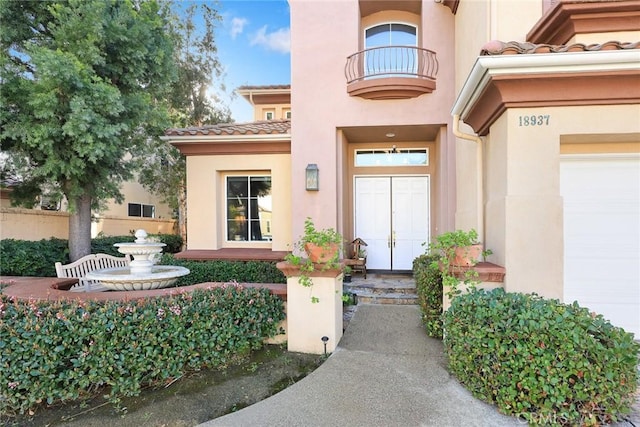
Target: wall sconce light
(312, 179)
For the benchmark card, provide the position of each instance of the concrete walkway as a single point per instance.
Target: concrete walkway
(385, 372)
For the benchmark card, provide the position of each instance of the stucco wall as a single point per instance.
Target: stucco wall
(35, 224)
(598, 38)
(206, 190)
(322, 105)
(478, 22)
(522, 185)
(279, 111)
(119, 226)
(134, 192)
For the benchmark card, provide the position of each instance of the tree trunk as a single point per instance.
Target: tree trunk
(182, 213)
(80, 229)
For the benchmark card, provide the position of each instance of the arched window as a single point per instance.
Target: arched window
(391, 34)
(390, 50)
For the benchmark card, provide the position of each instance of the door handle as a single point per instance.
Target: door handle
(388, 241)
(394, 239)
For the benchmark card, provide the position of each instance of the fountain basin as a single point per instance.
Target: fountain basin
(124, 279)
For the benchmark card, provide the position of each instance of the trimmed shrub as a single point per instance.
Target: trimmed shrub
(32, 258)
(541, 360)
(429, 288)
(105, 244)
(173, 242)
(38, 258)
(225, 271)
(63, 351)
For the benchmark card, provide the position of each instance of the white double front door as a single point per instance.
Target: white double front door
(392, 217)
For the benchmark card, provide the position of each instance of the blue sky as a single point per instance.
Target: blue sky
(253, 43)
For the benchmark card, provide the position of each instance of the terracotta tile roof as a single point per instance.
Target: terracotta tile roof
(496, 47)
(266, 127)
(266, 87)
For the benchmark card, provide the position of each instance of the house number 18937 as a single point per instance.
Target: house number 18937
(533, 120)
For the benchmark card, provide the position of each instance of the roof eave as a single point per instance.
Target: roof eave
(177, 139)
(486, 67)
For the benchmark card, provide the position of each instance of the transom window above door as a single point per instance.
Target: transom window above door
(248, 208)
(393, 157)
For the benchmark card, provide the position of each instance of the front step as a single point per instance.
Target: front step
(396, 299)
(401, 292)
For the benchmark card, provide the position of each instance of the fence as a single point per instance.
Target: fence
(33, 224)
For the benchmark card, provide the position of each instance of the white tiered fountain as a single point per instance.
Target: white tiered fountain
(142, 273)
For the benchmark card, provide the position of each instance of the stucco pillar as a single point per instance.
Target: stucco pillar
(307, 321)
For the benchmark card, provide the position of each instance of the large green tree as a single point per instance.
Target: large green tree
(83, 85)
(192, 103)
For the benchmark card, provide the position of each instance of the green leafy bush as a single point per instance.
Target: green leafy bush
(56, 352)
(38, 258)
(224, 271)
(32, 258)
(544, 361)
(429, 288)
(105, 244)
(173, 242)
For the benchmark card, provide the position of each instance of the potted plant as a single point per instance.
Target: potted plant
(347, 274)
(456, 252)
(322, 248)
(460, 248)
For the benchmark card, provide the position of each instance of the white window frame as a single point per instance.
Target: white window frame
(387, 72)
(389, 23)
(390, 153)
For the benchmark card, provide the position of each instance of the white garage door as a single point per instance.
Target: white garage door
(602, 235)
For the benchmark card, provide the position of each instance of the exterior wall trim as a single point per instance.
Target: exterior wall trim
(566, 19)
(559, 89)
(203, 148)
(391, 88)
(227, 138)
(556, 79)
(451, 4)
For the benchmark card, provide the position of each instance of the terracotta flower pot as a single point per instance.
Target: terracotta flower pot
(321, 254)
(466, 256)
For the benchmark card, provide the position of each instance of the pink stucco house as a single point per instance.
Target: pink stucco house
(519, 119)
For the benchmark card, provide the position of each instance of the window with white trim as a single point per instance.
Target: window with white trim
(388, 53)
(248, 208)
(268, 115)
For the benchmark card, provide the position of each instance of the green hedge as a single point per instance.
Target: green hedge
(104, 245)
(546, 362)
(57, 352)
(38, 258)
(32, 258)
(225, 271)
(429, 288)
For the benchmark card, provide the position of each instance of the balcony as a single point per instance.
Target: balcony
(391, 72)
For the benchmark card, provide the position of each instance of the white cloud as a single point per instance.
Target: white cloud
(237, 26)
(279, 40)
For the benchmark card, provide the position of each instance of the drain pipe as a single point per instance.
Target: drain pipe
(479, 179)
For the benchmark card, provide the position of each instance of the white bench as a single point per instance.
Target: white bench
(79, 269)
